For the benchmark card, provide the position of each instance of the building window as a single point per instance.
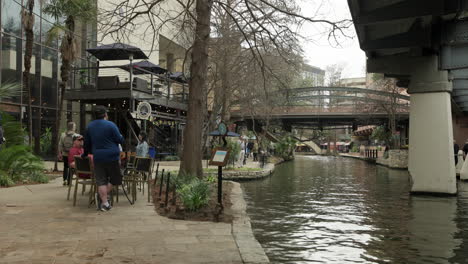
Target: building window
(11, 64)
(11, 17)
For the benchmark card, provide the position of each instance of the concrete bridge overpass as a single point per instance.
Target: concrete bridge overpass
(329, 106)
(423, 43)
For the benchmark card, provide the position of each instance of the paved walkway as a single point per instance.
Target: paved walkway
(38, 225)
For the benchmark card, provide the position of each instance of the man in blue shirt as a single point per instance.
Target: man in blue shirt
(102, 139)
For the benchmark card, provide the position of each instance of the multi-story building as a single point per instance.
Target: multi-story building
(168, 50)
(45, 66)
(358, 82)
(314, 75)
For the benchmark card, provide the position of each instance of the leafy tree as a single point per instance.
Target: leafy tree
(381, 133)
(252, 18)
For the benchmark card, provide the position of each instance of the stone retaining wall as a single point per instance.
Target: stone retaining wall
(397, 159)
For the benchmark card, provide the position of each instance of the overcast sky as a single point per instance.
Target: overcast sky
(318, 51)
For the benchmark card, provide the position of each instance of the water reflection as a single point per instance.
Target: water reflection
(336, 210)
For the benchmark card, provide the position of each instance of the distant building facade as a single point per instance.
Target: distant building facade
(315, 75)
(358, 82)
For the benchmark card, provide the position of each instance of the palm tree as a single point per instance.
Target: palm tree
(9, 90)
(72, 11)
(28, 25)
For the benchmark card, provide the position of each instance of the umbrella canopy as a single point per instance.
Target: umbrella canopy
(117, 51)
(229, 134)
(145, 65)
(178, 76)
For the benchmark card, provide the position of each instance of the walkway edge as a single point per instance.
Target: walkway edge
(250, 249)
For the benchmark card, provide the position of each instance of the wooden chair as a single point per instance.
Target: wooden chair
(140, 175)
(84, 175)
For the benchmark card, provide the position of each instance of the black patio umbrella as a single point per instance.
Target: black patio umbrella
(117, 51)
(178, 76)
(145, 65)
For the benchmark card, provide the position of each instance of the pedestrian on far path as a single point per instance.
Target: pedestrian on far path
(240, 161)
(456, 148)
(102, 139)
(142, 147)
(65, 144)
(255, 151)
(465, 149)
(249, 148)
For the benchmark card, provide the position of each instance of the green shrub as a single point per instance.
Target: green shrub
(355, 148)
(19, 165)
(194, 195)
(210, 179)
(5, 180)
(46, 141)
(285, 147)
(181, 179)
(12, 131)
(171, 158)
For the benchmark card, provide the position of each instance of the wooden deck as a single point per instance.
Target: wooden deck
(94, 96)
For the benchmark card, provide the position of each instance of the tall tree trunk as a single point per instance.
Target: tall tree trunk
(67, 50)
(28, 22)
(192, 152)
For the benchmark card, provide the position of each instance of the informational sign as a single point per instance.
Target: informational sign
(219, 157)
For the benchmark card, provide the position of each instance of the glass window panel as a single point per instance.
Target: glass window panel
(37, 28)
(45, 39)
(35, 77)
(11, 62)
(48, 122)
(11, 17)
(49, 77)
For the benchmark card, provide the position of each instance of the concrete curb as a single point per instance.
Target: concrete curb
(250, 249)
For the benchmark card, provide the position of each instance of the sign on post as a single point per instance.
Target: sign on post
(219, 157)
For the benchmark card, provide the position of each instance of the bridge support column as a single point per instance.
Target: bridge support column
(431, 160)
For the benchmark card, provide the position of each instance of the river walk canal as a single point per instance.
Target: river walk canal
(340, 210)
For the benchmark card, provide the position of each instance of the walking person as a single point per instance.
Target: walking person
(249, 148)
(465, 149)
(456, 148)
(102, 139)
(65, 144)
(142, 147)
(255, 151)
(240, 160)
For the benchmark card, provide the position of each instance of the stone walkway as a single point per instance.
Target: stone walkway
(38, 225)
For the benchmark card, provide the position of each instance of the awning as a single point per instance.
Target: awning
(117, 51)
(145, 65)
(178, 76)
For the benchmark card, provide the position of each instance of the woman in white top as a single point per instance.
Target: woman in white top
(142, 147)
